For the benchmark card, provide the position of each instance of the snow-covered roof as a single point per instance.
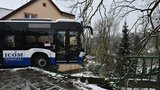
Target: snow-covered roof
(4, 12)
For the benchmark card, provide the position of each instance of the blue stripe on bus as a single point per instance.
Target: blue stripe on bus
(23, 61)
(27, 61)
(52, 61)
(16, 62)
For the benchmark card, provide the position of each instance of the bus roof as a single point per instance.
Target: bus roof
(40, 20)
(42, 24)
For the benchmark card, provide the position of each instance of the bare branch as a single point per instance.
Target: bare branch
(96, 10)
(132, 7)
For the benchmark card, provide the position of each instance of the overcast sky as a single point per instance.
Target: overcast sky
(11, 4)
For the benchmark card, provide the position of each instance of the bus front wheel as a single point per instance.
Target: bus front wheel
(41, 62)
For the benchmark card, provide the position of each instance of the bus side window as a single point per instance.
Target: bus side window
(38, 41)
(30, 40)
(14, 41)
(10, 41)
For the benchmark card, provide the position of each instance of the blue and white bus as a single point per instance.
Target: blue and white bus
(40, 43)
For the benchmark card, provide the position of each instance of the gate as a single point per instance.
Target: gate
(135, 72)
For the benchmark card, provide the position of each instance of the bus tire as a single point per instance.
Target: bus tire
(41, 62)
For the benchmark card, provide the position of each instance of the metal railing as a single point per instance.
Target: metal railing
(135, 72)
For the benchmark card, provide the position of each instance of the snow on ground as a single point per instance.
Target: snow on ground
(85, 74)
(89, 65)
(35, 69)
(138, 89)
(95, 87)
(31, 77)
(138, 79)
(84, 86)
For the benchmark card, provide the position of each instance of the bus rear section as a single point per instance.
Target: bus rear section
(40, 43)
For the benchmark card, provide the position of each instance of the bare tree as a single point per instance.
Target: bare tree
(120, 9)
(126, 7)
(90, 9)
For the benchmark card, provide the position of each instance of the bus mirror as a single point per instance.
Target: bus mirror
(89, 27)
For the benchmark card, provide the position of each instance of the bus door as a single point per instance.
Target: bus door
(73, 46)
(61, 46)
(66, 46)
